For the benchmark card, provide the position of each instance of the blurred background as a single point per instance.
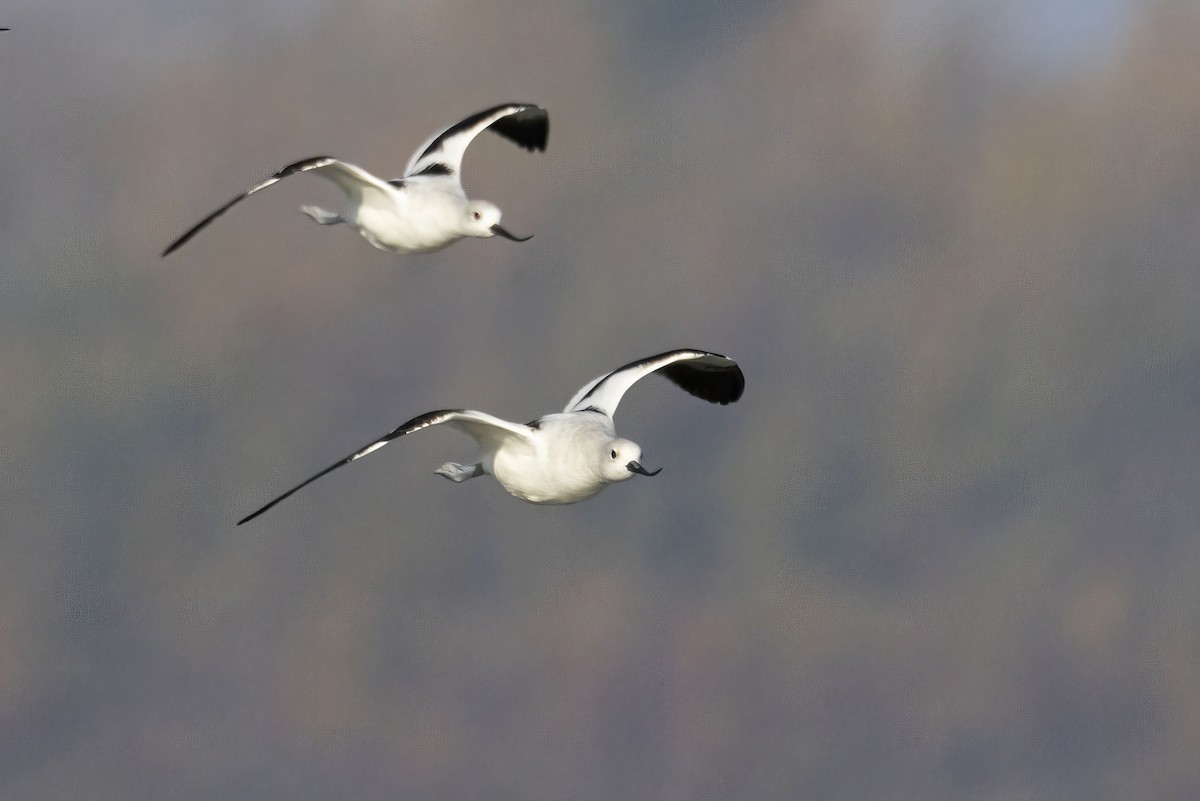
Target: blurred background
(945, 546)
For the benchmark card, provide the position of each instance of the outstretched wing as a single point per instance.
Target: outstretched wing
(524, 123)
(488, 431)
(710, 376)
(356, 182)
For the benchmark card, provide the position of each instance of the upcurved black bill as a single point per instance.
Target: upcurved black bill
(635, 467)
(499, 229)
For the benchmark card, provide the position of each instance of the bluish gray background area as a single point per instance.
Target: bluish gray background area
(946, 546)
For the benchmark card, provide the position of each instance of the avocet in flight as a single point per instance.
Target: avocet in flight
(569, 456)
(426, 208)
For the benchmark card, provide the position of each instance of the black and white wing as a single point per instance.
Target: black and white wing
(357, 183)
(524, 123)
(710, 376)
(488, 431)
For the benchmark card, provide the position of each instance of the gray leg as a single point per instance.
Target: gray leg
(321, 216)
(458, 473)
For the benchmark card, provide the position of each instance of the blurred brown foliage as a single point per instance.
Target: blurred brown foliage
(945, 547)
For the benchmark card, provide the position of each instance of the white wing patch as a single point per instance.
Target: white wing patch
(485, 429)
(354, 181)
(710, 376)
(443, 153)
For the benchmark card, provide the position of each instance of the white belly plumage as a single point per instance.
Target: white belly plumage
(562, 469)
(405, 225)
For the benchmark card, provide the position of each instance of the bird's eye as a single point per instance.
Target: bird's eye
(613, 454)
(476, 215)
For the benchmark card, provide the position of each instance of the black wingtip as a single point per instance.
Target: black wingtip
(528, 128)
(183, 240)
(733, 388)
(722, 384)
(293, 491)
(197, 228)
(253, 515)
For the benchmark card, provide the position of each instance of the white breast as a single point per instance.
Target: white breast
(412, 221)
(562, 467)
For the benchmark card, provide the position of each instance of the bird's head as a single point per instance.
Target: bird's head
(482, 219)
(621, 458)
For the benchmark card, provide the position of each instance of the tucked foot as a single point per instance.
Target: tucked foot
(321, 216)
(458, 473)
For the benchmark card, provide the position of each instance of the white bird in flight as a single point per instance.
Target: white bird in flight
(569, 456)
(424, 210)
